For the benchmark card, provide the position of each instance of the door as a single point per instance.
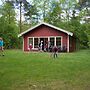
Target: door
(44, 42)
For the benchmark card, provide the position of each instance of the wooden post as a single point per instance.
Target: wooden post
(68, 43)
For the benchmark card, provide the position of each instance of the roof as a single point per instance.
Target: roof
(49, 25)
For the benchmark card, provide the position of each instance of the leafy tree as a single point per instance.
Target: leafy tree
(8, 27)
(43, 7)
(61, 13)
(71, 23)
(17, 4)
(31, 13)
(54, 15)
(8, 12)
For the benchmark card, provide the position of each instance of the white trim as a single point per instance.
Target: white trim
(48, 41)
(44, 37)
(39, 39)
(67, 32)
(54, 41)
(28, 42)
(38, 42)
(68, 43)
(33, 43)
(61, 42)
(48, 38)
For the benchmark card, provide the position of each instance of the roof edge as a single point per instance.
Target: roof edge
(67, 32)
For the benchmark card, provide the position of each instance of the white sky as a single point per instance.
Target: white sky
(0, 2)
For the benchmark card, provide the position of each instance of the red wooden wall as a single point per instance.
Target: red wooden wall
(43, 31)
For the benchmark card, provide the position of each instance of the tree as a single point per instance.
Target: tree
(8, 12)
(8, 27)
(54, 14)
(43, 7)
(84, 9)
(31, 13)
(66, 14)
(19, 4)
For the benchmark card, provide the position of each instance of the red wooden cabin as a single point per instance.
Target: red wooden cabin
(45, 32)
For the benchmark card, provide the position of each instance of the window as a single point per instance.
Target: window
(52, 41)
(31, 41)
(35, 42)
(58, 41)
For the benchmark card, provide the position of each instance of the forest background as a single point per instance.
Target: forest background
(17, 16)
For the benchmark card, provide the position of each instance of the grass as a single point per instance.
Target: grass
(40, 71)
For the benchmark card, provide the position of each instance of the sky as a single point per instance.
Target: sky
(0, 2)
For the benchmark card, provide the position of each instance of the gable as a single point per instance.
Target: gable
(48, 25)
(44, 31)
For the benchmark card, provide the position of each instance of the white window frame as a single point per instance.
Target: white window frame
(33, 42)
(29, 43)
(44, 37)
(55, 40)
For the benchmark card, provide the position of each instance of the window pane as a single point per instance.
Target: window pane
(58, 41)
(31, 41)
(35, 42)
(52, 41)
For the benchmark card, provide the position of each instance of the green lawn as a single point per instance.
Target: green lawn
(40, 71)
